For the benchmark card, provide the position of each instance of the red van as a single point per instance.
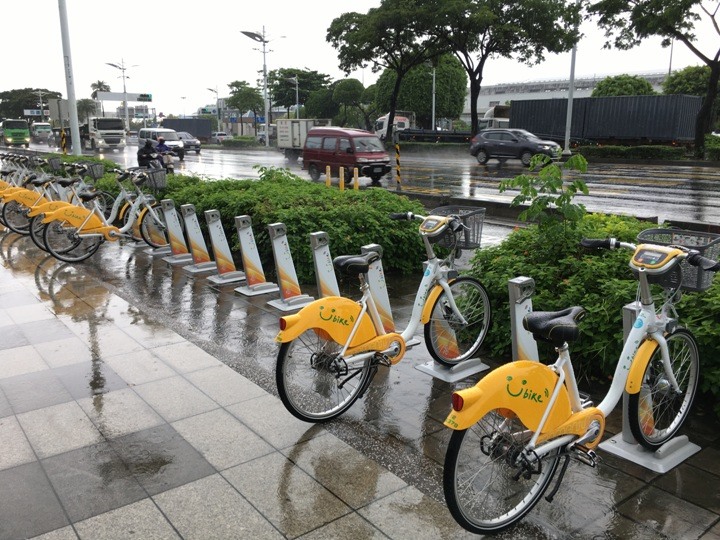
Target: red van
(344, 147)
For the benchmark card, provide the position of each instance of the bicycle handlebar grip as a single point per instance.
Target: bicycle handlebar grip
(401, 216)
(602, 243)
(698, 260)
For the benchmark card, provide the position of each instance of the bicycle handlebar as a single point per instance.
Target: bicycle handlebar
(698, 260)
(402, 216)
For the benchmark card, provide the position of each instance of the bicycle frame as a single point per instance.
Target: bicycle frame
(367, 335)
(548, 401)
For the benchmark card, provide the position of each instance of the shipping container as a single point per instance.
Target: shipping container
(654, 119)
(200, 127)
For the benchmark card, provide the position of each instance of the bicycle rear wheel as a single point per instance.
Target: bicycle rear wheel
(479, 477)
(64, 243)
(447, 339)
(314, 384)
(15, 217)
(656, 413)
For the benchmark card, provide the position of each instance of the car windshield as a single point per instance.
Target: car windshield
(171, 136)
(42, 128)
(368, 144)
(110, 124)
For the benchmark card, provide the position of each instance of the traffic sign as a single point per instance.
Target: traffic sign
(144, 97)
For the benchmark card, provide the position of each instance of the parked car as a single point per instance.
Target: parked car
(217, 137)
(504, 144)
(190, 142)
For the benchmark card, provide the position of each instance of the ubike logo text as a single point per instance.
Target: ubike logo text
(333, 317)
(521, 391)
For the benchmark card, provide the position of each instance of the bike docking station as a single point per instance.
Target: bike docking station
(178, 247)
(254, 275)
(198, 248)
(227, 272)
(291, 298)
(327, 284)
(520, 291)
(624, 445)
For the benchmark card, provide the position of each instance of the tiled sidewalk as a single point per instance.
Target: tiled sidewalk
(114, 424)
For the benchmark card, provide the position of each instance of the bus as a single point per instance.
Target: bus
(15, 132)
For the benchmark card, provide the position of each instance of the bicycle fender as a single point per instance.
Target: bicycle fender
(46, 207)
(26, 197)
(639, 364)
(76, 216)
(523, 388)
(334, 316)
(430, 302)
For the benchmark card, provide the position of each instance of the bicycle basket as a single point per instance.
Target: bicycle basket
(692, 278)
(94, 170)
(157, 179)
(469, 237)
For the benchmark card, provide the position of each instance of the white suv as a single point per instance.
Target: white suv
(217, 137)
(170, 136)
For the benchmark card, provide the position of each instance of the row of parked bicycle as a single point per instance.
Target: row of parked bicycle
(519, 426)
(67, 216)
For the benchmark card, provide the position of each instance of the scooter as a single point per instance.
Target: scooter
(167, 160)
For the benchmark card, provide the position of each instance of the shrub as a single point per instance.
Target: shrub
(566, 274)
(633, 152)
(240, 142)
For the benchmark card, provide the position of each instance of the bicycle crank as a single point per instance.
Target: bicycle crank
(390, 345)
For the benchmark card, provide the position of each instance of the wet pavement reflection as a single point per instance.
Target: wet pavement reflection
(130, 322)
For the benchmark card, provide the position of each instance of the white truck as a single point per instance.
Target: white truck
(292, 132)
(401, 121)
(103, 134)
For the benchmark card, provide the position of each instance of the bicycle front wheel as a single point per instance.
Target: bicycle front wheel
(15, 217)
(314, 383)
(152, 231)
(64, 243)
(448, 340)
(657, 412)
(487, 487)
(37, 227)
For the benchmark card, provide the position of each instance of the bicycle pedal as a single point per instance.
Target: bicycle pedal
(586, 456)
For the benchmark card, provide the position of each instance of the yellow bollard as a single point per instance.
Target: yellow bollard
(341, 179)
(397, 164)
(356, 179)
(327, 176)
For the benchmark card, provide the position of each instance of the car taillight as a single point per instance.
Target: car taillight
(457, 402)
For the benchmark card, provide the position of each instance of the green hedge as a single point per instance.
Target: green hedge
(240, 142)
(600, 281)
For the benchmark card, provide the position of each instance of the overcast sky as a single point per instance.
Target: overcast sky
(180, 48)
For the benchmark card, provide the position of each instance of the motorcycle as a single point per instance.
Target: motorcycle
(157, 160)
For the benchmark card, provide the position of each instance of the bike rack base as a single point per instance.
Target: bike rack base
(259, 288)
(182, 258)
(228, 277)
(291, 304)
(668, 456)
(200, 268)
(159, 252)
(456, 373)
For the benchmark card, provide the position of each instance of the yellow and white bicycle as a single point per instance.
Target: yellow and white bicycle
(514, 427)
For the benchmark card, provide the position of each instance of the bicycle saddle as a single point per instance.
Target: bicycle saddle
(355, 264)
(66, 182)
(556, 327)
(88, 195)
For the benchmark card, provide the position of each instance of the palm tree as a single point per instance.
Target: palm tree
(86, 108)
(99, 86)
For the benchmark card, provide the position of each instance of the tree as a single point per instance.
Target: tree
(99, 86)
(320, 104)
(417, 92)
(281, 83)
(14, 102)
(478, 30)
(626, 24)
(393, 36)
(86, 108)
(691, 81)
(348, 94)
(623, 85)
(244, 98)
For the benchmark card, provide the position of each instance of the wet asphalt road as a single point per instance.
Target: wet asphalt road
(677, 192)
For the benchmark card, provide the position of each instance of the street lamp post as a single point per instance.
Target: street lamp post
(217, 105)
(42, 111)
(122, 68)
(433, 101)
(260, 38)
